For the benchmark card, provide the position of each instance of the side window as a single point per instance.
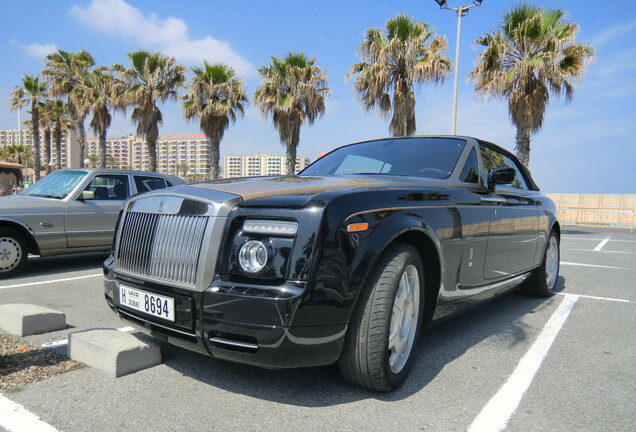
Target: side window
(148, 183)
(492, 159)
(469, 173)
(109, 187)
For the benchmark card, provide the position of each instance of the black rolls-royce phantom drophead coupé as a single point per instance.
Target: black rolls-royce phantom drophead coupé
(345, 262)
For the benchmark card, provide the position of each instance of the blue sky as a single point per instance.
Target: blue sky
(585, 146)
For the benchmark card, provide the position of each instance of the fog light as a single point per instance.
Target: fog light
(253, 256)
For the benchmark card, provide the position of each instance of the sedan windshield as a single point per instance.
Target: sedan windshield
(58, 184)
(418, 156)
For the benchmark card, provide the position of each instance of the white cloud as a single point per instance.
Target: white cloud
(36, 50)
(614, 32)
(170, 35)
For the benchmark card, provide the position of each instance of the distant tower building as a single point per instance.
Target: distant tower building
(260, 165)
(176, 153)
(69, 150)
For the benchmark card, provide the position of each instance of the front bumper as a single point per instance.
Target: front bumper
(243, 323)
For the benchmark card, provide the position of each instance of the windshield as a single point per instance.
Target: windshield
(58, 184)
(419, 157)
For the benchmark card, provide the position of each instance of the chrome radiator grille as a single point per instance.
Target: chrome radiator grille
(161, 246)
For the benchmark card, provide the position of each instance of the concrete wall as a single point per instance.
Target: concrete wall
(600, 209)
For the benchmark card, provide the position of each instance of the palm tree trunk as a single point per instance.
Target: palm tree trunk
(35, 121)
(523, 146)
(214, 159)
(58, 145)
(290, 163)
(102, 148)
(82, 140)
(152, 155)
(47, 149)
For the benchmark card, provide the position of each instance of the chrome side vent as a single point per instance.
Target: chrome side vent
(163, 247)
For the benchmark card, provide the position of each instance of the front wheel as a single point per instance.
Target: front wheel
(542, 281)
(13, 252)
(380, 342)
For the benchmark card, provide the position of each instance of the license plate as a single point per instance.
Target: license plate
(147, 302)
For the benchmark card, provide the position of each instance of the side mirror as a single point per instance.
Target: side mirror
(500, 175)
(87, 195)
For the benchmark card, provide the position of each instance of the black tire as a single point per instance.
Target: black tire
(13, 252)
(366, 359)
(543, 280)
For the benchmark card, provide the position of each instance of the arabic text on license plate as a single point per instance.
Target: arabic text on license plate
(147, 302)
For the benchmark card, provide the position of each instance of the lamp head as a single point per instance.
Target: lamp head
(441, 3)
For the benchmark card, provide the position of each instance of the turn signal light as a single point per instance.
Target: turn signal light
(357, 227)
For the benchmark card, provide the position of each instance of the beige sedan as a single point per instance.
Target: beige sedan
(68, 211)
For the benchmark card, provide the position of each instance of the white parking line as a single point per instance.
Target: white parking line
(15, 418)
(50, 281)
(574, 237)
(601, 244)
(589, 250)
(65, 341)
(497, 412)
(597, 298)
(591, 265)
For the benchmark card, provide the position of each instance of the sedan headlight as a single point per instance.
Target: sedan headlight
(253, 256)
(270, 227)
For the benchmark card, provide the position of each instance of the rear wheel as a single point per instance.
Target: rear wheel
(379, 345)
(543, 280)
(13, 252)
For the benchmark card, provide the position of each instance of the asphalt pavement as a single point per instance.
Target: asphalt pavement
(519, 363)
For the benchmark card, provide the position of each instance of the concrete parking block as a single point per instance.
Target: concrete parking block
(27, 319)
(113, 352)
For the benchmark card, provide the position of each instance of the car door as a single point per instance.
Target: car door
(514, 220)
(474, 218)
(91, 222)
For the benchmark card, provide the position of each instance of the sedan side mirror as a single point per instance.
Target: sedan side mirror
(500, 175)
(87, 195)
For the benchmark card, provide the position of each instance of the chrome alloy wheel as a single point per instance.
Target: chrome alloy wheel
(10, 253)
(404, 319)
(552, 262)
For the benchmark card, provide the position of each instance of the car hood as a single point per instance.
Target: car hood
(263, 187)
(25, 204)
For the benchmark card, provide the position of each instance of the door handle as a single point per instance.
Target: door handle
(493, 200)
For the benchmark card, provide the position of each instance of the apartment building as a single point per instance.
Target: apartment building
(260, 165)
(176, 153)
(69, 149)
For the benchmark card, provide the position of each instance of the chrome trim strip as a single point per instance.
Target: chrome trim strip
(138, 318)
(492, 199)
(234, 343)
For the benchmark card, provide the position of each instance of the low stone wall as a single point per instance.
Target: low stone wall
(612, 210)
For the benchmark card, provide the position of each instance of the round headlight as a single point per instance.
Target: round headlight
(253, 256)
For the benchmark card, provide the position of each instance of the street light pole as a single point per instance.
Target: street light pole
(461, 11)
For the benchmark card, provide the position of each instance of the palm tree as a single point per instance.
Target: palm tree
(216, 95)
(93, 160)
(61, 120)
(530, 55)
(32, 90)
(407, 53)
(112, 161)
(21, 154)
(66, 70)
(47, 107)
(102, 92)
(152, 78)
(293, 92)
